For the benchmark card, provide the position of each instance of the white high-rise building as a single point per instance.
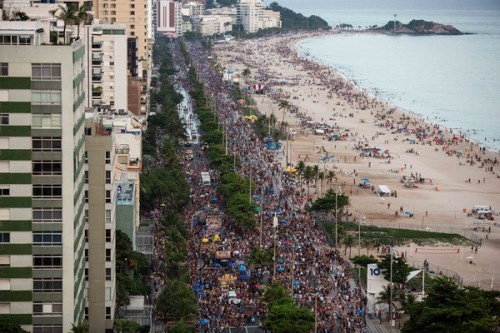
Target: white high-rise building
(250, 15)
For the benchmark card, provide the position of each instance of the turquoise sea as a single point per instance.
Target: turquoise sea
(450, 80)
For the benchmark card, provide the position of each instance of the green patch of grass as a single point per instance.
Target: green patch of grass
(392, 235)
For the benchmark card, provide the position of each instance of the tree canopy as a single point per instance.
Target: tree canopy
(447, 308)
(291, 20)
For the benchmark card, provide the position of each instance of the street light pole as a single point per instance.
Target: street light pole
(336, 215)
(275, 227)
(390, 299)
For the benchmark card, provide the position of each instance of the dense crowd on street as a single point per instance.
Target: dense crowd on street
(314, 273)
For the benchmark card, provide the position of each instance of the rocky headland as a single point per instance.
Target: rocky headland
(418, 27)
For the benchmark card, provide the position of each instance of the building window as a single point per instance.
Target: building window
(46, 309)
(107, 216)
(108, 157)
(4, 191)
(86, 196)
(86, 157)
(108, 254)
(47, 285)
(86, 312)
(47, 191)
(46, 72)
(108, 295)
(47, 143)
(108, 176)
(4, 237)
(86, 177)
(47, 328)
(113, 12)
(43, 97)
(47, 168)
(47, 121)
(86, 254)
(47, 215)
(86, 274)
(4, 119)
(4, 69)
(108, 235)
(86, 233)
(108, 196)
(108, 312)
(108, 274)
(47, 238)
(132, 12)
(44, 262)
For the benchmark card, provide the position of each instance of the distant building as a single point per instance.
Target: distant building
(169, 18)
(209, 25)
(252, 16)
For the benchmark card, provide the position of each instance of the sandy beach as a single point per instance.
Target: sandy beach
(456, 173)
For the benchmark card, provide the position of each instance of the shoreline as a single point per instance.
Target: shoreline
(456, 184)
(422, 117)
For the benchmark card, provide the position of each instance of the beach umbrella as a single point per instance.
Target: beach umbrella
(280, 269)
(279, 261)
(296, 283)
(242, 268)
(203, 321)
(204, 240)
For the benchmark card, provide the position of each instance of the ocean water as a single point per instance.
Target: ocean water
(450, 80)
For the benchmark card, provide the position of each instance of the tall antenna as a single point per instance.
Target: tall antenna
(395, 16)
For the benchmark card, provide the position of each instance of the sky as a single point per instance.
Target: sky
(298, 5)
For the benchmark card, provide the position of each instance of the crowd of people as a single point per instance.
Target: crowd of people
(220, 254)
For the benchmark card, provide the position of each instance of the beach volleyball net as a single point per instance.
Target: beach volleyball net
(437, 250)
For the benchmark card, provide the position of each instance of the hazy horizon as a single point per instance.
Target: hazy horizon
(300, 5)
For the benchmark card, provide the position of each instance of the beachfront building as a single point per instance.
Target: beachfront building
(106, 63)
(100, 225)
(250, 14)
(42, 94)
(168, 18)
(209, 25)
(271, 19)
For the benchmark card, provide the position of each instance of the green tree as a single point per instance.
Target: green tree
(81, 16)
(330, 176)
(177, 302)
(284, 106)
(67, 15)
(308, 176)
(80, 328)
(330, 201)
(348, 242)
(7, 326)
(286, 317)
(261, 257)
(301, 166)
(385, 297)
(400, 269)
(276, 292)
(447, 308)
(363, 260)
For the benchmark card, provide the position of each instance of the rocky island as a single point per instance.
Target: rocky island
(418, 27)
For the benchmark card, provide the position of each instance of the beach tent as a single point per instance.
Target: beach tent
(382, 190)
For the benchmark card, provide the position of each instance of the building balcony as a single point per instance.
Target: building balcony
(122, 149)
(97, 46)
(96, 63)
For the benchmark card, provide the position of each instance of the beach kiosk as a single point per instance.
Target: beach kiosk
(383, 190)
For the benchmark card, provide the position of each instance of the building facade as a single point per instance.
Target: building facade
(106, 65)
(100, 229)
(250, 14)
(169, 18)
(42, 94)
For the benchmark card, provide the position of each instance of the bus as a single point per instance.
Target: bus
(205, 178)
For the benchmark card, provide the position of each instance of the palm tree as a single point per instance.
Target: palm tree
(285, 106)
(348, 243)
(275, 292)
(384, 296)
(330, 176)
(308, 176)
(301, 166)
(316, 174)
(81, 16)
(246, 73)
(261, 257)
(67, 15)
(321, 177)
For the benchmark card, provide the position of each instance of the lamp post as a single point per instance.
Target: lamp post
(391, 290)
(337, 191)
(275, 227)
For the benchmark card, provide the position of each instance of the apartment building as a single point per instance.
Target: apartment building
(168, 18)
(106, 63)
(250, 14)
(100, 229)
(42, 94)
